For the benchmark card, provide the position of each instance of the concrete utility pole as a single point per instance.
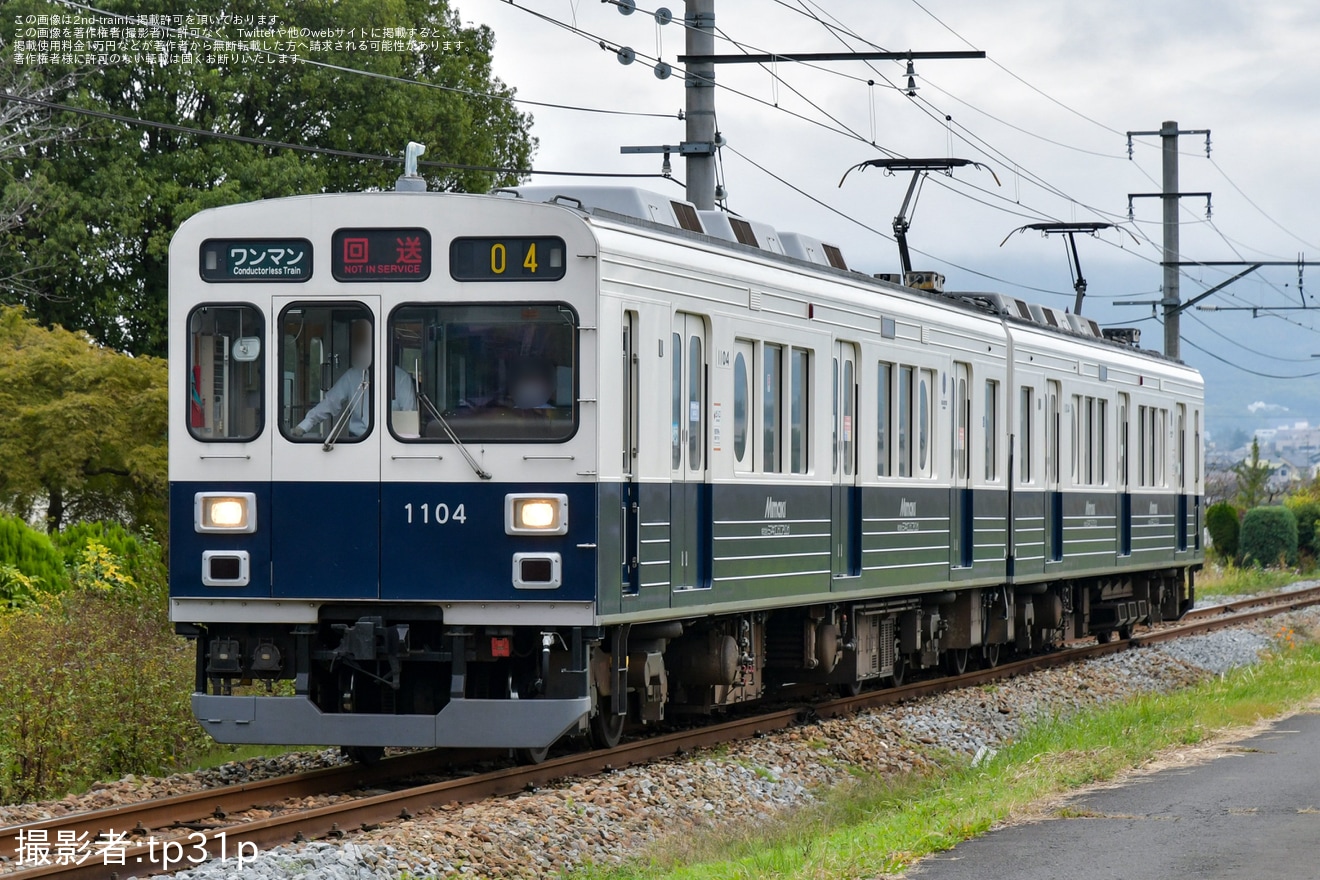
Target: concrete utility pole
(701, 142)
(700, 170)
(1172, 318)
(1169, 196)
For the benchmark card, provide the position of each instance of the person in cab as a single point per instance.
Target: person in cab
(352, 391)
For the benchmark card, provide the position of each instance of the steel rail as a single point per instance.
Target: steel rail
(334, 820)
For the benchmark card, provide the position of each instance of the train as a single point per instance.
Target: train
(495, 469)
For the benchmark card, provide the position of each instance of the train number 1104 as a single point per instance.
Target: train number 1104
(439, 514)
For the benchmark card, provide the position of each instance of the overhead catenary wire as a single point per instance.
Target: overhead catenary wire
(325, 65)
(305, 148)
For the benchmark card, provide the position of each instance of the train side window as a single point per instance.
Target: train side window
(1101, 426)
(1162, 453)
(696, 406)
(1123, 440)
(1075, 462)
(1142, 428)
(226, 389)
(742, 413)
(1196, 448)
(991, 430)
(1024, 445)
(327, 372)
(884, 422)
(849, 417)
(1053, 428)
(799, 411)
(905, 381)
(676, 401)
(770, 386)
(834, 418)
(925, 423)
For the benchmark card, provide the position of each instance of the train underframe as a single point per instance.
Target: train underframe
(389, 661)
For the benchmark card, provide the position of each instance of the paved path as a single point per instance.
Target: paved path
(1253, 813)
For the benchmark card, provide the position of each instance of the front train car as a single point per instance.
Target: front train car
(383, 446)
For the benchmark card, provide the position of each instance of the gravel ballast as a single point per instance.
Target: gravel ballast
(608, 818)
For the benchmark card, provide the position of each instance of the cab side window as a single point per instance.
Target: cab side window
(226, 389)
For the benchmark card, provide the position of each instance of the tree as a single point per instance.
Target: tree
(24, 127)
(82, 428)
(1222, 522)
(1252, 478)
(116, 194)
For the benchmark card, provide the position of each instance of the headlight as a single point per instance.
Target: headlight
(536, 514)
(230, 512)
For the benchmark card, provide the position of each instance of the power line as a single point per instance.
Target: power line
(883, 235)
(1261, 210)
(371, 73)
(607, 45)
(284, 145)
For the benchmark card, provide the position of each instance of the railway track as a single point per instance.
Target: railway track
(198, 823)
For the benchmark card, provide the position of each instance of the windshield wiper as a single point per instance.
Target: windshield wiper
(453, 438)
(342, 421)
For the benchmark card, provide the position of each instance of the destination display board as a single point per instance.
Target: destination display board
(380, 255)
(256, 259)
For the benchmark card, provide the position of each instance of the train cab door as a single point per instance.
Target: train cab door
(960, 503)
(846, 520)
(689, 493)
(325, 495)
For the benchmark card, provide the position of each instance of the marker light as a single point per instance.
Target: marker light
(228, 512)
(535, 514)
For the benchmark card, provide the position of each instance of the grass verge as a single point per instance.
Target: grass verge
(1227, 581)
(878, 826)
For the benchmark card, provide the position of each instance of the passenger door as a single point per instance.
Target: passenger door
(1053, 465)
(689, 499)
(846, 526)
(961, 522)
(630, 523)
(1124, 489)
(325, 503)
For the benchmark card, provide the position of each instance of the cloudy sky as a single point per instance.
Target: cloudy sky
(1048, 111)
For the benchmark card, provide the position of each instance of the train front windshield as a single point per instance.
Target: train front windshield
(487, 372)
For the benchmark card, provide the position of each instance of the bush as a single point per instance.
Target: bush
(29, 563)
(94, 682)
(1269, 537)
(120, 559)
(1222, 521)
(94, 687)
(1307, 512)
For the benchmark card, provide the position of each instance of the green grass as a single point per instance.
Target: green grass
(1227, 581)
(876, 826)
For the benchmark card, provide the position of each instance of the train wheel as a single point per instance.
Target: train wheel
(1125, 632)
(955, 661)
(990, 656)
(850, 688)
(367, 755)
(527, 757)
(1104, 637)
(900, 670)
(606, 729)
